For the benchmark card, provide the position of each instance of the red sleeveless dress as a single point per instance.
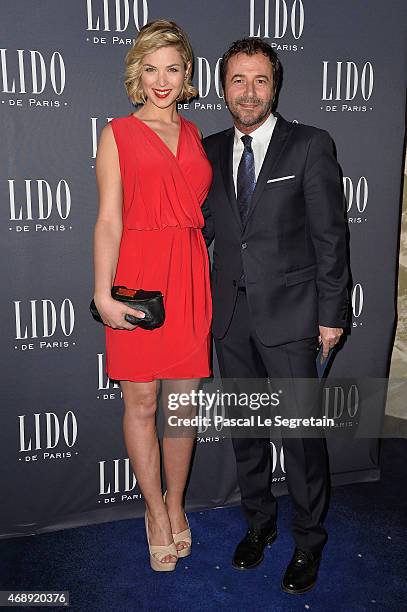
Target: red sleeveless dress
(162, 248)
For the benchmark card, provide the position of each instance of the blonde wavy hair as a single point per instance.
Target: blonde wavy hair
(153, 36)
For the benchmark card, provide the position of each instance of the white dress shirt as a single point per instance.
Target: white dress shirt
(261, 140)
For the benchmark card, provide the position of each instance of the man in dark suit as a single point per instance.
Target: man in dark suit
(279, 282)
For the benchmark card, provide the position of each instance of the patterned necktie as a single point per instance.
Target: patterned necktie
(246, 177)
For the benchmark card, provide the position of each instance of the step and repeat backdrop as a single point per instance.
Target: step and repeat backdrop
(63, 461)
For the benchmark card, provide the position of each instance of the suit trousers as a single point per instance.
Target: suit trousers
(242, 355)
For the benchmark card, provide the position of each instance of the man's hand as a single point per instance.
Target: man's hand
(329, 336)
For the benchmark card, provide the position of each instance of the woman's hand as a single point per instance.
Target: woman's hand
(112, 313)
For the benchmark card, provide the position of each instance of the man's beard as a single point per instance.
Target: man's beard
(262, 110)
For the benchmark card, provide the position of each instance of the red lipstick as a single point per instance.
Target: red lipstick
(162, 93)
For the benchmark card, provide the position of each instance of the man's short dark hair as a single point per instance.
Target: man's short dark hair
(250, 46)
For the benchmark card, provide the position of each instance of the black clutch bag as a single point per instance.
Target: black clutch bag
(149, 302)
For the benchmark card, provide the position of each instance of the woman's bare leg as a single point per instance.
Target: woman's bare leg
(140, 436)
(177, 453)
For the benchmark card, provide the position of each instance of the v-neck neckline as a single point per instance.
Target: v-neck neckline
(176, 156)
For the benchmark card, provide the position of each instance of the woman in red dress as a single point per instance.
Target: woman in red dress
(153, 176)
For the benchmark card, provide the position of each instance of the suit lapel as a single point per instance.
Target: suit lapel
(281, 132)
(226, 161)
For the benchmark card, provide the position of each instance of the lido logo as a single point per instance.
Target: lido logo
(117, 476)
(341, 404)
(116, 15)
(347, 85)
(277, 458)
(36, 201)
(356, 193)
(107, 389)
(207, 76)
(44, 321)
(357, 301)
(277, 19)
(30, 72)
(45, 432)
(207, 81)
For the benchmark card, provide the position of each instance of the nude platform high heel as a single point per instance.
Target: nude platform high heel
(184, 536)
(157, 553)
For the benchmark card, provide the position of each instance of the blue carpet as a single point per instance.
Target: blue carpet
(105, 567)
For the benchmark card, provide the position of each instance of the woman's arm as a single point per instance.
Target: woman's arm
(108, 232)
(108, 228)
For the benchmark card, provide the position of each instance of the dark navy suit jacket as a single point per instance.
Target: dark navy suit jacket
(292, 248)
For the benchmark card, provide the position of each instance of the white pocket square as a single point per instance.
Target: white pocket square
(281, 178)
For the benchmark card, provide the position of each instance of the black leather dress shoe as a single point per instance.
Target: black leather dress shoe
(301, 573)
(250, 551)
